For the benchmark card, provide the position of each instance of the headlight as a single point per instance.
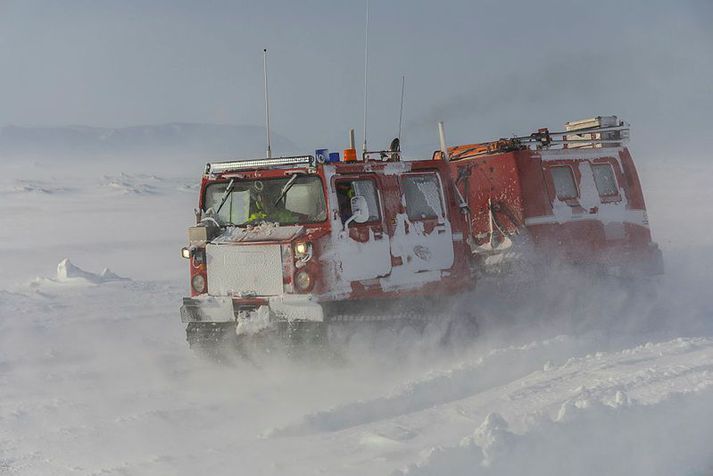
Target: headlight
(198, 283)
(186, 252)
(303, 249)
(303, 281)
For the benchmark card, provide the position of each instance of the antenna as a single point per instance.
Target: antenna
(366, 70)
(267, 103)
(401, 110)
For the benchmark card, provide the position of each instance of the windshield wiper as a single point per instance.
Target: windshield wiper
(286, 188)
(224, 198)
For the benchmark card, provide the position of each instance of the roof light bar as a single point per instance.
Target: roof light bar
(218, 167)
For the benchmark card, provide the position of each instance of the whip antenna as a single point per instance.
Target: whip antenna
(401, 110)
(366, 70)
(267, 102)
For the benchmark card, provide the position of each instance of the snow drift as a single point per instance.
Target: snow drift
(588, 438)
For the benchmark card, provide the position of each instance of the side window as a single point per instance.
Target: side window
(346, 189)
(422, 194)
(565, 187)
(605, 180)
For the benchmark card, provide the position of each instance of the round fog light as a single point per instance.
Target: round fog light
(198, 283)
(303, 281)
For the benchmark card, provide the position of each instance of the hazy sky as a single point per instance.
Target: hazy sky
(488, 68)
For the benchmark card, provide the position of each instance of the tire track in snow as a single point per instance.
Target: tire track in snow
(602, 372)
(443, 387)
(586, 438)
(644, 376)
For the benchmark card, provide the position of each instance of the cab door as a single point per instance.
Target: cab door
(427, 234)
(363, 249)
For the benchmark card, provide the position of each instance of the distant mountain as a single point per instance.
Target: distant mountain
(187, 139)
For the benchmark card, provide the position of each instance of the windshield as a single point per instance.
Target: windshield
(288, 201)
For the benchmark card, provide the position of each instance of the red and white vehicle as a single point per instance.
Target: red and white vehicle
(290, 240)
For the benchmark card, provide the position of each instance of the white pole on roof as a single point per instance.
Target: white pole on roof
(442, 138)
(267, 103)
(366, 70)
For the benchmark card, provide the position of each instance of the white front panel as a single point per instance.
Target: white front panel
(236, 269)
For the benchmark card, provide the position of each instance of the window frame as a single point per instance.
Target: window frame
(441, 195)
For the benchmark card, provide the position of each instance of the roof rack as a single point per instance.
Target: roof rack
(600, 131)
(276, 162)
(594, 132)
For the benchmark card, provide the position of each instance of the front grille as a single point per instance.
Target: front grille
(244, 269)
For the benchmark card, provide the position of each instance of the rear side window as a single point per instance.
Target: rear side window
(565, 187)
(347, 189)
(605, 180)
(422, 194)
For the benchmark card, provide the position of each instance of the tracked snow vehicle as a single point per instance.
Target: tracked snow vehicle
(301, 242)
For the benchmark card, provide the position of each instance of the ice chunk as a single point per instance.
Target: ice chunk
(68, 272)
(493, 436)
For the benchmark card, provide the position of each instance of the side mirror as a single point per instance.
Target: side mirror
(360, 211)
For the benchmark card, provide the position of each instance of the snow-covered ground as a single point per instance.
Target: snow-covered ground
(95, 376)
